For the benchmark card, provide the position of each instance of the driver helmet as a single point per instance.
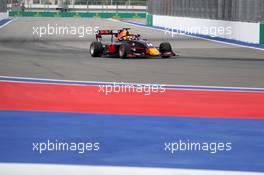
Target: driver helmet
(124, 34)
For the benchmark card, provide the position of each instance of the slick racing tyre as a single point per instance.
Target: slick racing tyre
(96, 49)
(165, 48)
(123, 51)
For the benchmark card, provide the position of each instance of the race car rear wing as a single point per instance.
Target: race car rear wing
(100, 33)
(106, 32)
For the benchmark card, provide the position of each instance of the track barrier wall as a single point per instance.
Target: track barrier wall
(149, 19)
(3, 15)
(79, 14)
(229, 10)
(261, 35)
(245, 17)
(241, 31)
(3, 9)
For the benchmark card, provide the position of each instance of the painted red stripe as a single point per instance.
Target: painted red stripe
(87, 99)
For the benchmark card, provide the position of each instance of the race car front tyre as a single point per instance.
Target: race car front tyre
(96, 49)
(123, 51)
(165, 48)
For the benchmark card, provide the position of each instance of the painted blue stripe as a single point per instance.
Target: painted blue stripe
(128, 140)
(183, 87)
(4, 21)
(230, 41)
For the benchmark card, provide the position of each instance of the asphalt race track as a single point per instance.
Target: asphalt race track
(67, 57)
(50, 93)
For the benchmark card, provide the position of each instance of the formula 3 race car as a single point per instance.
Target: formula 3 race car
(126, 45)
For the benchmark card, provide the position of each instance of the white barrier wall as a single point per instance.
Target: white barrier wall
(241, 31)
(3, 15)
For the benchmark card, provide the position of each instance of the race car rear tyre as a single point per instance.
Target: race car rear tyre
(123, 51)
(163, 48)
(96, 49)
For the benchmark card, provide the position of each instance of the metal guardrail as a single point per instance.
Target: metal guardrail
(78, 5)
(81, 7)
(79, 14)
(3, 6)
(232, 10)
(82, 2)
(112, 2)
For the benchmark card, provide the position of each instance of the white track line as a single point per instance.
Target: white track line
(48, 169)
(95, 83)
